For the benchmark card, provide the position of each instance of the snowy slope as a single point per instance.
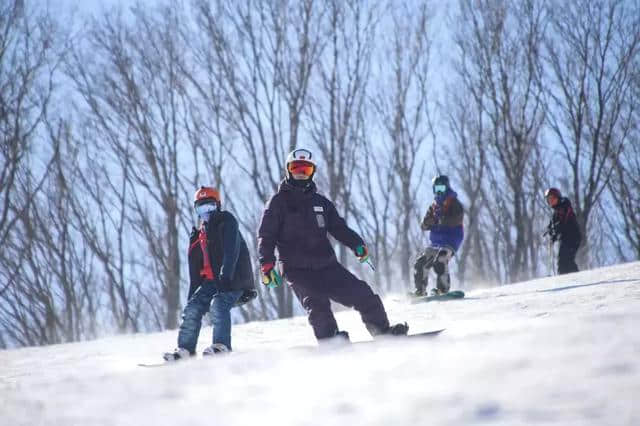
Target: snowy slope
(562, 350)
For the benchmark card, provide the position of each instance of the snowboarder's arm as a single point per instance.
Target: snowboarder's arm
(231, 248)
(340, 230)
(269, 231)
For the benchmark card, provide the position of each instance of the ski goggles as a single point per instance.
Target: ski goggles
(205, 209)
(439, 189)
(301, 167)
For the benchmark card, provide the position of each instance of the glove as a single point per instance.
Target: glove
(362, 253)
(247, 296)
(428, 221)
(270, 275)
(194, 235)
(552, 232)
(223, 284)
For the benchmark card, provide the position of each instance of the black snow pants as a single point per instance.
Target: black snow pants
(316, 288)
(567, 258)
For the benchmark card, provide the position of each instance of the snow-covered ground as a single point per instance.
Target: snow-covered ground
(561, 350)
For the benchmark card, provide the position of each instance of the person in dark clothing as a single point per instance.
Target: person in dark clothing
(563, 227)
(297, 221)
(219, 272)
(444, 223)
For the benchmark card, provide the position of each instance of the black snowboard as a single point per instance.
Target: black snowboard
(452, 295)
(424, 334)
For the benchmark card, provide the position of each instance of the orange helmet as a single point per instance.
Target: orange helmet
(206, 194)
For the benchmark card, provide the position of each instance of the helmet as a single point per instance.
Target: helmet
(552, 191)
(440, 184)
(300, 162)
(206, 194)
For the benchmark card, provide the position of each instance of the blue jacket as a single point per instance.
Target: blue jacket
(227, 251)
(444, 221)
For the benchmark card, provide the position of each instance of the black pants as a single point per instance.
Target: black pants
(567, 258)
(315, 288)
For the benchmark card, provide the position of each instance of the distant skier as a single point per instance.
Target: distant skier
(563, 227)
(444, 221)
(219, 270)
(297, 221)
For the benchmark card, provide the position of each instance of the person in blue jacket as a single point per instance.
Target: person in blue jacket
(444, 223)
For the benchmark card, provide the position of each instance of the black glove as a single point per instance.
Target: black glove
(194, 235)
(247, 296)
(223, 284)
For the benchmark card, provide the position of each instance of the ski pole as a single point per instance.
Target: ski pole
(368, 261)
(551, 259)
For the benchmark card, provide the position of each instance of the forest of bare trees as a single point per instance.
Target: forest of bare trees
(109, 121)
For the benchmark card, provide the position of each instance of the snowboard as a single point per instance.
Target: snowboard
(452, 295)
(424, 334)
(332, 346)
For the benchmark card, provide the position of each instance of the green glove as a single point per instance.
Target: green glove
(362, 253)
(270, 276)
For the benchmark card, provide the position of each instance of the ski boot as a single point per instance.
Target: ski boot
(419, 292)
(216, 349)
(177, 355)
(339, 339)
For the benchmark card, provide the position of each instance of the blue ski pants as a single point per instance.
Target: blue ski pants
(197, 307)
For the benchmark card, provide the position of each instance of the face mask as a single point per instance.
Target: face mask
(204, 210)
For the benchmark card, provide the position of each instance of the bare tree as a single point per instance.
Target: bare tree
(591, 56)
(31, 48)
(337, 99)
(377, 210)
(29, 57)
(403, 110)
(128, 73)
(623, 187)
(54, 298)
(501, 68)
(263, 54)
(466, 121)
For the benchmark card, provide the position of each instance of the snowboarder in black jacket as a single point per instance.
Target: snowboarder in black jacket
(563, 227)
(219, 271)
(297, 221)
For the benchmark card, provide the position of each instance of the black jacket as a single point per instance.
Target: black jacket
(228, 254)
(564, 226)
(296, 222)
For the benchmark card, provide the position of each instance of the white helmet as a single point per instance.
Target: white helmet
(304, 156)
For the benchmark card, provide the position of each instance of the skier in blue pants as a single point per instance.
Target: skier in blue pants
(219, 271)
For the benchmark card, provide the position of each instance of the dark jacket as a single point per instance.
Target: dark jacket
(564, 226)
(444, 220)
(296, 221)
(228, 254)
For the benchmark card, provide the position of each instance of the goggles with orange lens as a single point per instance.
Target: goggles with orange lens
(301, 167)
